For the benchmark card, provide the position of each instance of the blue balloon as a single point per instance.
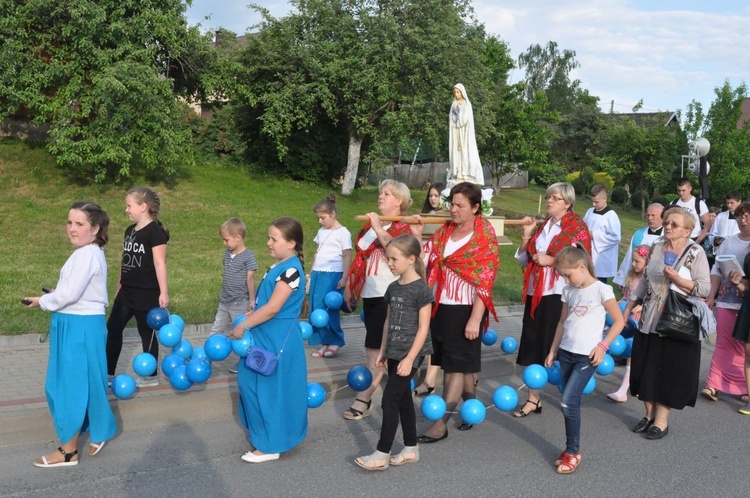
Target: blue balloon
(608, 319)
(505, 398)
(123, 386)
(217, 347)
(412, 385)
(306, 330)
(359, 378)
(631, 327)
(240, 346)
(362, 315)
(535, 376)
(509, 345)
(177, 321)
(319, 318)
(316, 395)
(433, 407)
(333, 300)
(606, 366)
(553, 374)
(347, 307)
(179, 379)
(617, 347)
(184, 349)
(473, 411)
(157, 317)
(198, 370)
(144, 364)
(590, 386)
(628, 348)
(489, 338)
(238, 320)
(169, 335)
(170, 362)
(199, 352)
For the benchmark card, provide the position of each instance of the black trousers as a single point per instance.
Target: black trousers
(397, 404)
(131, 303)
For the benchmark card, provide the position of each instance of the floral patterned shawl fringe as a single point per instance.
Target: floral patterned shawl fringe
(476, 263)
(357, 273)
(572, 229)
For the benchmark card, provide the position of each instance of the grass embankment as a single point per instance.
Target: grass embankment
(37, 196)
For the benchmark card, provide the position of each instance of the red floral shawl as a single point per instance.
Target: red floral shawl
(476, 263)
(572, 229)
(357, 273)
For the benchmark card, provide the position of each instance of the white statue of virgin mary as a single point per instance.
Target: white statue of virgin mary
(465, 165)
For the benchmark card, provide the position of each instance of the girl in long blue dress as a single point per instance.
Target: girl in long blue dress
(274, 408)
(76, 383)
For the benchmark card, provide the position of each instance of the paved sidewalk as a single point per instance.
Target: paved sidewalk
(24, 416)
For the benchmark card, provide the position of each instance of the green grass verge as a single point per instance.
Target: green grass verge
(37, 196)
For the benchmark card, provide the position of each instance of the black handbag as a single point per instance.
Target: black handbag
(676, 319)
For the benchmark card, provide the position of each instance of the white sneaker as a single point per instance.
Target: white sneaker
(147, 381)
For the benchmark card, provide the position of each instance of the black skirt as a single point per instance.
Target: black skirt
(538, 332)
(375, 309)
(664, 370)
(451, 350)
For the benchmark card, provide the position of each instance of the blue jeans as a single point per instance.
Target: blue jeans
(575, 371)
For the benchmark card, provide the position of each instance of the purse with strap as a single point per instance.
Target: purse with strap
(676, 319)
(264, 361)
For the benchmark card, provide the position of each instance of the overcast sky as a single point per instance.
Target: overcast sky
(666, 52)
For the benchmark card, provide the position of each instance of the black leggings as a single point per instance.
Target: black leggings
(397, 403)
(126, 306)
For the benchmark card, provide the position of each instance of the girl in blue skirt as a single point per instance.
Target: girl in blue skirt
(330, 266)
(76, 384)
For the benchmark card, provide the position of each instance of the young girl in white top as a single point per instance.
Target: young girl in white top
(578, 344)
(632, 279)
(330, 268)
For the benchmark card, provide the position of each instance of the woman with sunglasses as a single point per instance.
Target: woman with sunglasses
(664, 371)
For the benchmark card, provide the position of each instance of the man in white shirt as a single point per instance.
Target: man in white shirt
(604, 226)
(696, 207)
(645, 235)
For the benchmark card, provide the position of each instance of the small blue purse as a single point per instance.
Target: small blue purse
(264, 361)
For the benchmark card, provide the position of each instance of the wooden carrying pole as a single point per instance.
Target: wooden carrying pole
(430, 220)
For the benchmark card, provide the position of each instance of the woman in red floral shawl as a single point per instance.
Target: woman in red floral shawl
(462, 260)
(542, 290)
(369, 278)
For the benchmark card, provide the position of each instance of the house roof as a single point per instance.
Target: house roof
(650, 118)
(745, 113)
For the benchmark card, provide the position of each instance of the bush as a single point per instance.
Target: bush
(605, 179)
(619, 195)
(546, 174)
(661, 199)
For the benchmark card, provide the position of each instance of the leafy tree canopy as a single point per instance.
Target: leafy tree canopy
(380, 70)
(104, 76)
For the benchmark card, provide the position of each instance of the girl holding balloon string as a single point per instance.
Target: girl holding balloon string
(406, 340)
(330, 268)
(577, 344)
(632, 279)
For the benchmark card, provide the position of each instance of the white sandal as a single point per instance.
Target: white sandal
(401, 459)
(97, 447)
(369, 461)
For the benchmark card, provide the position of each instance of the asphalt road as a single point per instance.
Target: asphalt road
(706, 453)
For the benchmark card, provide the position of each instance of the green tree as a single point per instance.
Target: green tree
(730, 142)
(641, 157)
(380, 70)
(548, 70)
(104, 75)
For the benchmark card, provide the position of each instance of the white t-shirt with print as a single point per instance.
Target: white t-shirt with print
(583, 327)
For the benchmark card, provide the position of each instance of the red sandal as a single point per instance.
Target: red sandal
(568, 463)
